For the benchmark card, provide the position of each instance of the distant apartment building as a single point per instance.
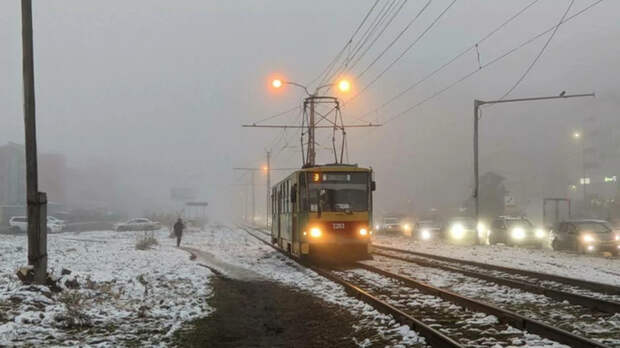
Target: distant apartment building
(52, 175)
(12, 175)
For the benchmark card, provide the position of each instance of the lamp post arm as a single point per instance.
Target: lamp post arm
(298, 85)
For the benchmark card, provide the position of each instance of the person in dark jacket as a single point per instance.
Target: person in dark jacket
(178, 230)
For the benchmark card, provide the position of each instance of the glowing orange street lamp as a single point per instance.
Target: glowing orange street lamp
(344, 85)
(277, 83)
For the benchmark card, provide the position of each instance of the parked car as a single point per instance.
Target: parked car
(138, 224)
(586, 236)
(516, 231)
(58, 224)
(19, 224)
(461, 230)
(427, 230)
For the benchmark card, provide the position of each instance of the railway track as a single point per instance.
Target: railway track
(549, 280)
(448, 319)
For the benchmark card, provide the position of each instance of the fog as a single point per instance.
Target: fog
(145, 96)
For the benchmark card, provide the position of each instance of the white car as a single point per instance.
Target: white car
(58, 225)
(139, 224)
(20, 224)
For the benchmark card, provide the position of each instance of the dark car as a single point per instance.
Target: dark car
(516, 231)
(586, 236)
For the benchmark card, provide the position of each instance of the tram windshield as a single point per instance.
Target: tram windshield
(338, 192)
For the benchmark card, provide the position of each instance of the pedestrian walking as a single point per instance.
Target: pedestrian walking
(178, 230)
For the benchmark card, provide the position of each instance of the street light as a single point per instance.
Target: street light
(276, 83)
(576, 135)
(344, 86)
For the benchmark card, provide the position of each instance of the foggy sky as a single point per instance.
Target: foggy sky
(155, 92)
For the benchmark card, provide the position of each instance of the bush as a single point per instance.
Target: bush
(146, 241)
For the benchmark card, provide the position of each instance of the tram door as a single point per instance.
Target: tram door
(279, 213)
(293, 200)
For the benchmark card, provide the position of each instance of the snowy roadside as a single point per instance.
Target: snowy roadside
(115, 295)
(591, 268)
(239, 255)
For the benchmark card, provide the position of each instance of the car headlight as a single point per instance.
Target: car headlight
(618, 237)
(482, 229)
(315, 232)
(588, 238)
(377, 226)
(540, 233)
(518, 233)
(457, 231)
(425, 234)
(407, 227)
(363, 231)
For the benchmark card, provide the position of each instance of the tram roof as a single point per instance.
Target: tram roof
(335, 167)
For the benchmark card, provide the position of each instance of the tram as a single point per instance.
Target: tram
(324, 211)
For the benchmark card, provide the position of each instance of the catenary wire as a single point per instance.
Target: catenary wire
(542, 50)
(449, 62)
(495, 60)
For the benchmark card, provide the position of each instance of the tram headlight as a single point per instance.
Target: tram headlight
(540, 233)
(618, 237)
(457, 231)
(363, 231)
(315, 232)
(517, 233)
(425, 234)
(407, 227)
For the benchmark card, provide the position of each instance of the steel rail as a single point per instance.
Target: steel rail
(585, 301)
(432, 336)
(511, 318)
(595, 286)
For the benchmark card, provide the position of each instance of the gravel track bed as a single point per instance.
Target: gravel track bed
(472, 329)
(602, 327)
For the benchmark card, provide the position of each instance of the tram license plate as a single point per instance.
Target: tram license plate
(339, 226)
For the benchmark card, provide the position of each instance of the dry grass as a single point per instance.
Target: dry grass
(146, 241)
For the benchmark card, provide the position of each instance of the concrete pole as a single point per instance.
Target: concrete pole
(253, 199)
(268, 198)
(37, 201)
(476, 176)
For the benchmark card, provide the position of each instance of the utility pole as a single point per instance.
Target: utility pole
(311, 157)
(37, 201)
(268, 194)
(477, 104)
(268, 171)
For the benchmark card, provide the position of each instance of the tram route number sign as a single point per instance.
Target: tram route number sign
(339, 226)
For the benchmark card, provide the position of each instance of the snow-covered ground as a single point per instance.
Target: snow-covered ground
(591, 268)
(237, 254)
(115, 295)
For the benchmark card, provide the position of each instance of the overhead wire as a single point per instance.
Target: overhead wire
(450, 61)
(419, 37)
(394, 15)
(400, 34)
(542, 50)
(348, 43)
(495, 60)
(364, 38)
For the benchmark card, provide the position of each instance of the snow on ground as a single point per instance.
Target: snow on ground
(588, 267)
(115, 295)
(237, 254)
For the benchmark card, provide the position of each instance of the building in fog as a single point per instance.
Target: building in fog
(12, 174)
(52, 175)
